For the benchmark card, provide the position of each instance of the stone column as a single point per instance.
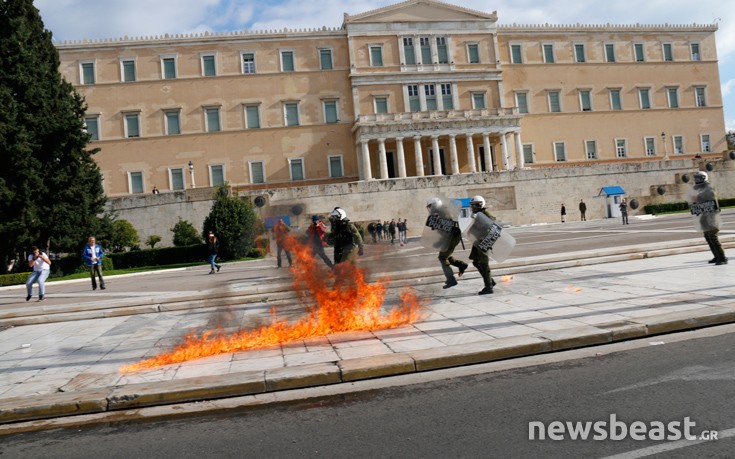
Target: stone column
(401, 157)
(519, 150)
(471, 155)
(435, 155)
(366, 168)
(358, 160)
(488, 153)
(453, 153)
(419, 156)
(504, 151)
(383, 159)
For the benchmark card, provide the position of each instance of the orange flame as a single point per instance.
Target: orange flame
(349, 304)
(506, 278)
(570, 288)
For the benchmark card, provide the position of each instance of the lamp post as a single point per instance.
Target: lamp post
(191, 174)
(666, 150)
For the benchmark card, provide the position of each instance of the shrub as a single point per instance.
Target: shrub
(234, 223)
(185, 234)
(124, 236)
(158, 257)
(153, 240)
(13, 279)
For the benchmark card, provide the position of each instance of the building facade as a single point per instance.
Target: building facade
(418, 88)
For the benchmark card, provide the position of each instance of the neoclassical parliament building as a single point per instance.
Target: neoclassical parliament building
(418, 88)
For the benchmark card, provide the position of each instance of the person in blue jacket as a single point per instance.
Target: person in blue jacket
(92, 255)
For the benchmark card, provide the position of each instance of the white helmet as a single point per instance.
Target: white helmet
(433, 204)
(338, 214)
(477, 202)
(700, 177)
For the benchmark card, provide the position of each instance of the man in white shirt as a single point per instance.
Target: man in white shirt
(41, 264)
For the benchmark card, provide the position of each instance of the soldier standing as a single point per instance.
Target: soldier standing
(479, 257)
(346, 237)
(706, 211)
(446, 238)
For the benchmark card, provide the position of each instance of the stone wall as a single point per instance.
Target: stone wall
(520, 197)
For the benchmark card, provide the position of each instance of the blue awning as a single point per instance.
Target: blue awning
(611, 190)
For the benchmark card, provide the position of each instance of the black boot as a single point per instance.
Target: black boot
(449, 274)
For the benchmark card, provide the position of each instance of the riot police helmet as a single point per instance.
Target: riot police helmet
(477, 202)
(338, 214)
(433, 204)
(700, 177)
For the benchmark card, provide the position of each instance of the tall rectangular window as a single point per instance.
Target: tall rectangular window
(128, 70)
(132, 125)
(579, 55)
(92, 125)
(335, 166)
(287, 63)
(548, 53)
(177, 179)
(217, 174)
(585, 101)
(88, 73)
(668, 53)
(291, 113)
(522, 102)
(425, 45)
(248, 63)
(621, 148)
(430, 93)
(478, 100)
(414, 102)
(609, 52)
(678, 145)
(376, 56)
(554, 102)
(330, 111)
(168, 65)
(135, 180)
(650, 143)
(212, 119)
(208, 65)
(638, 52)
(257, 172)
(447, 99)
(591, 147)
(473, 53)
(560, 151)
(173, 125)
(296, 167)
(441, 50)
(408, 51)
(700, 96)
(673, 94)
(325, 59)
(252, 116)
(615, 103)
(694, 47)
(645, 97)
(381, 105)
(516, 54)
(528, 153)
(706, 147)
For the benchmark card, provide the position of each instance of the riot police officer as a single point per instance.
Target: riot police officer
(347, 239)
(447, 237)
(479, 257)
(706, 211)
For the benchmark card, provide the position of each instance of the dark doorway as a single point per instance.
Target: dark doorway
(390, 158)
(441, 160)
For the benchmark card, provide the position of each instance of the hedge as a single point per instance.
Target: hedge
(681, 206)
(159, 257)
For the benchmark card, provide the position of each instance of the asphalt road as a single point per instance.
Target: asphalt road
(480, 411)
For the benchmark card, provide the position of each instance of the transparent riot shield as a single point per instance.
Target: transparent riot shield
(440, 223)
(704, 207)
(489, 237)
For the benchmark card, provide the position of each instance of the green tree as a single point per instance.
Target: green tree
(185, 234)
(50, 187)
(124, 236)
(152, 240)
(233, 221)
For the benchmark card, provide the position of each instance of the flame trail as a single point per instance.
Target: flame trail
(341, 301)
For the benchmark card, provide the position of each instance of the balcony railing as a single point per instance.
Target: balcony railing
(437, 115)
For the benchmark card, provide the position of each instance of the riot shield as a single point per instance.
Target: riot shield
(489, 237)
(440, 224)
(704, 207)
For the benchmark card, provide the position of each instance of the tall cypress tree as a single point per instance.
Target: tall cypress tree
(50, 187)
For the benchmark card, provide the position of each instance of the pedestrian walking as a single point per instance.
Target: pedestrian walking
(706, 210)
(563, 212)
(624, 211)
(402, 230)
(92, 256)
(347, 240)
(317, 232)
(442, 227)
(213, 249)
(582, 209)
(280, 231)
(41, 264)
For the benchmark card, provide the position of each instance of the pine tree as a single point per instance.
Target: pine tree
(50, 187)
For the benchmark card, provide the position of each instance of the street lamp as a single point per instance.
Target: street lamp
(191, 174)
(666, 150)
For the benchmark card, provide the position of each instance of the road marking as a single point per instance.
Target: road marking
(656, 449)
